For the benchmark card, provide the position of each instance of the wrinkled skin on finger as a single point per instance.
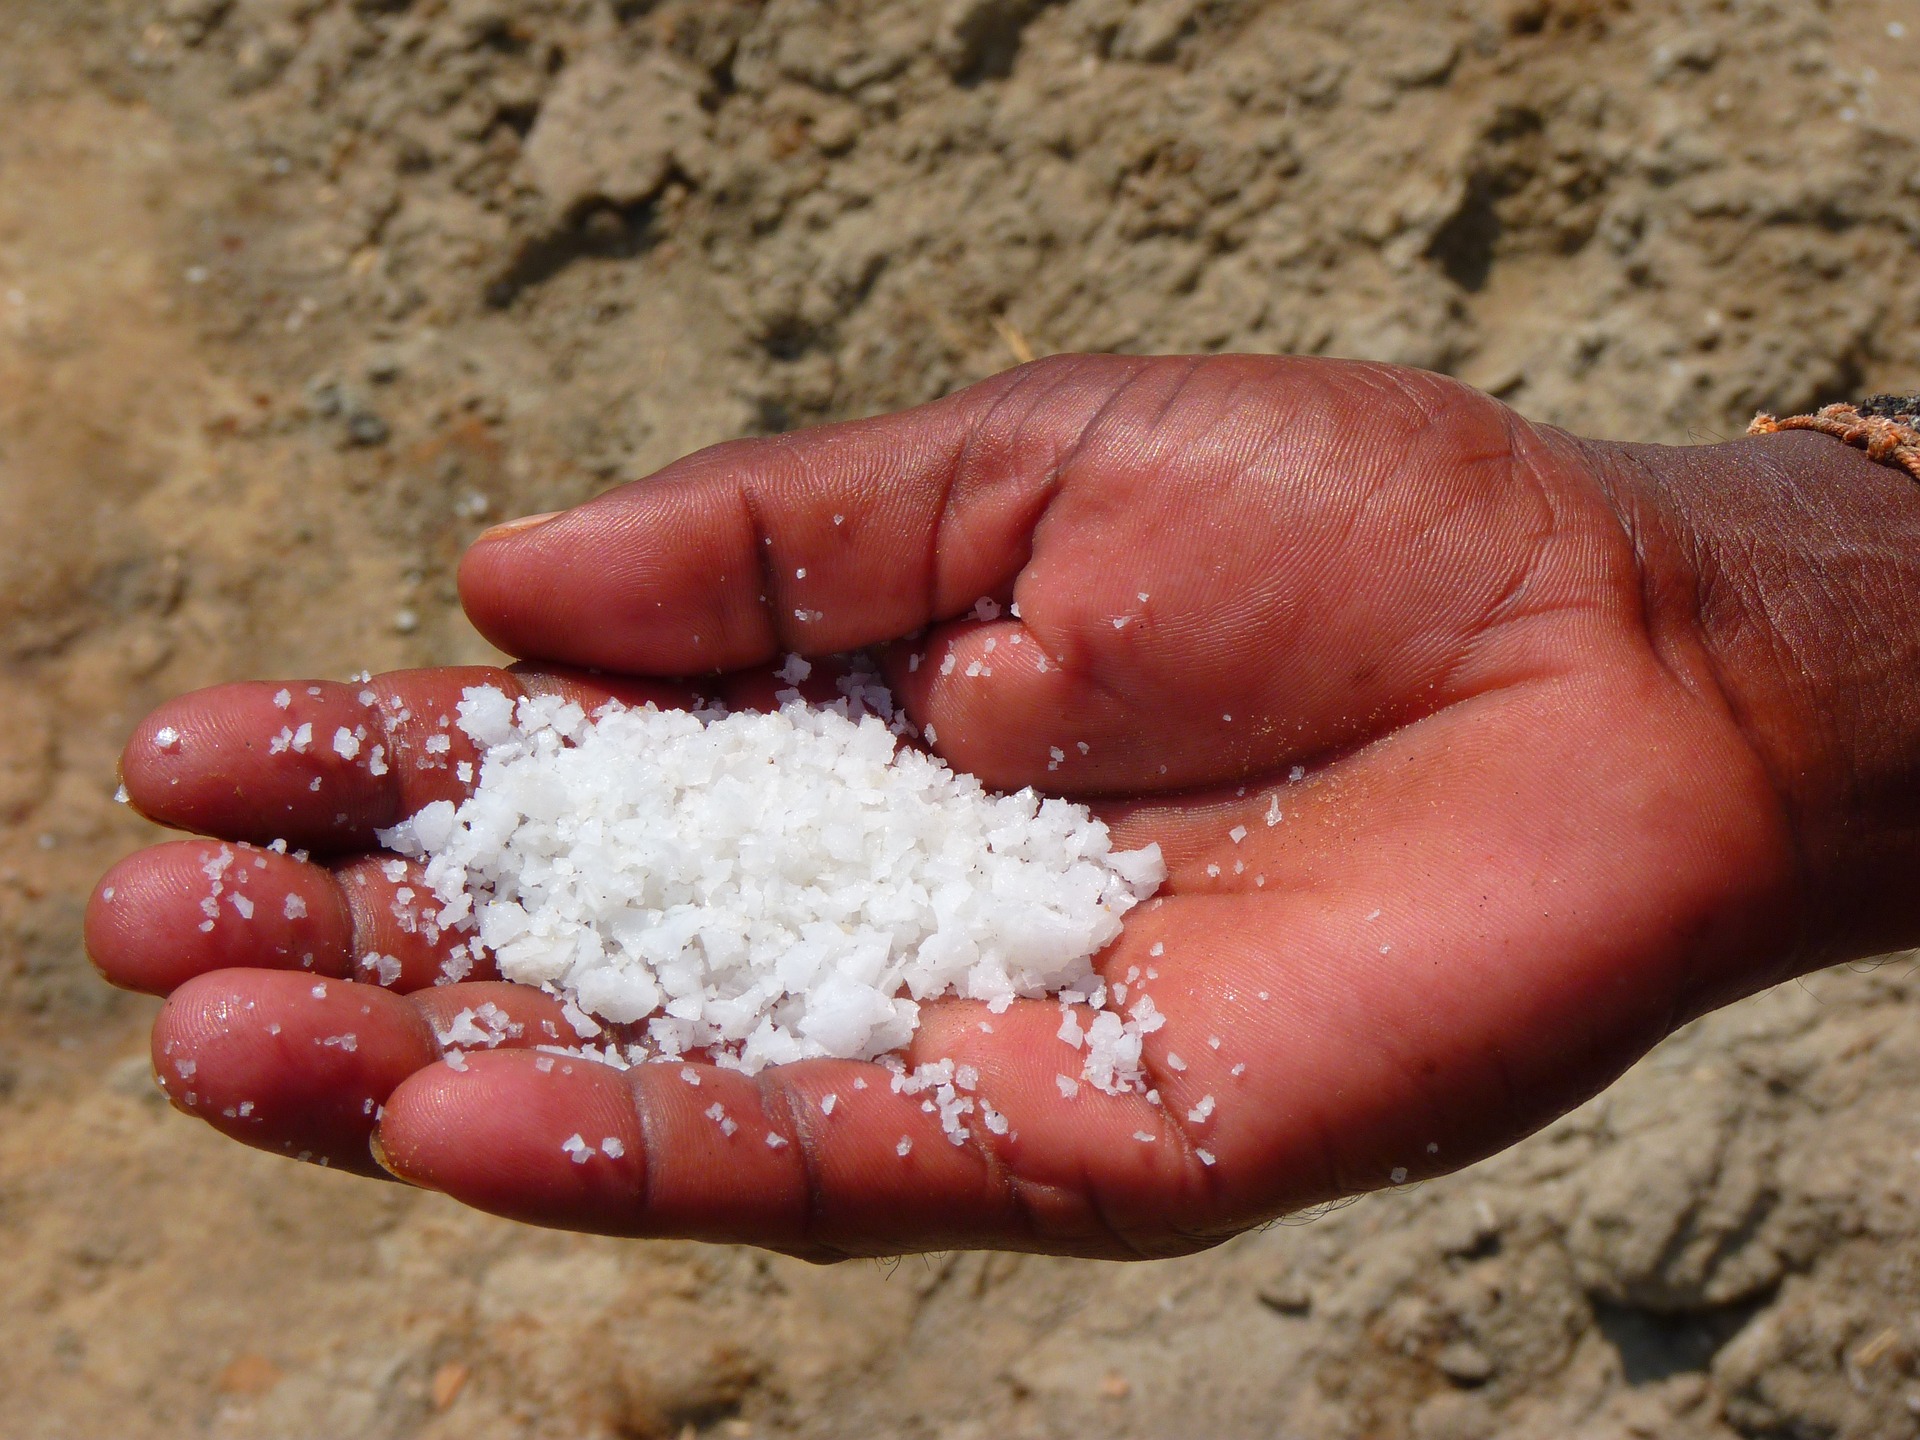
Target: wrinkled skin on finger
(1457, 826)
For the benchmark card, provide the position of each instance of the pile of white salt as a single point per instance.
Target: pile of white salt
(769, 887)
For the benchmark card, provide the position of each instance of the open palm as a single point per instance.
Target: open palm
(1453, 836)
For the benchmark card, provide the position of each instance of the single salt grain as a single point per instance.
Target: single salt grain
(1398, 1175)
(1273, 810)
(1157, 949)
(1069, 1087)
(612, 1148)
(776, 1141)
(1213, 1042)
(302, 739)
(241, 904)
(345, 743)
(1237, 834)
(1297, 774)
(282, 699)
(1175, 1063)
(107, 894)
(1145, 1137)
(839, 519)
(904, 1147)
(795, 670)
(319, 992)
(121, 797)
(544, 1064)
(801, 573)
(1238, 1070)
(690, 1075)
(827, 1102)
(167, 738)
(1206, 1156)
(858, 1083)
(455, 1060)
(1120, 621)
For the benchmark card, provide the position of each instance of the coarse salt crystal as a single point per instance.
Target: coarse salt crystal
(167, 738)
(930, 884)
(576, 1148)
(612, 1148)
(345, 743)
(904, 1147)
(282, 699)
(1206, 1156)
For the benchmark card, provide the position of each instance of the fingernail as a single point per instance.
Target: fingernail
(380, 1158)
(508, 528)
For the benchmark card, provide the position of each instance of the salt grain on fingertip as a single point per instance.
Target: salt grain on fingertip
(282, 699)
(166, 738)
(1205, 1156)
(576, 1148)
(904, 1147)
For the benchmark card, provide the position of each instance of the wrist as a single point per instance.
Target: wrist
(1784, 572)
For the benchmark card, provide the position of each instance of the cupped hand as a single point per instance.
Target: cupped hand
(1455, 829)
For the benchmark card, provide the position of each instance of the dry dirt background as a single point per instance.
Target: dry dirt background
(295, 294)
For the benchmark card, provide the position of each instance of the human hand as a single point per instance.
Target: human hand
(1540, 797)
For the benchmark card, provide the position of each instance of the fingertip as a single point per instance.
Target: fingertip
(534, 1137)
(288, 1063)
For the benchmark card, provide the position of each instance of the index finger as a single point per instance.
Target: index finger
(321, 765)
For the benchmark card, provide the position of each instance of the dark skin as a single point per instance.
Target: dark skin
(1595, 738)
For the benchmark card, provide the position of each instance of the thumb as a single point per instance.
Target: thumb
(822, 541)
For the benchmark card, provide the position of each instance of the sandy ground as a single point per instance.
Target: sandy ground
(295, 295)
